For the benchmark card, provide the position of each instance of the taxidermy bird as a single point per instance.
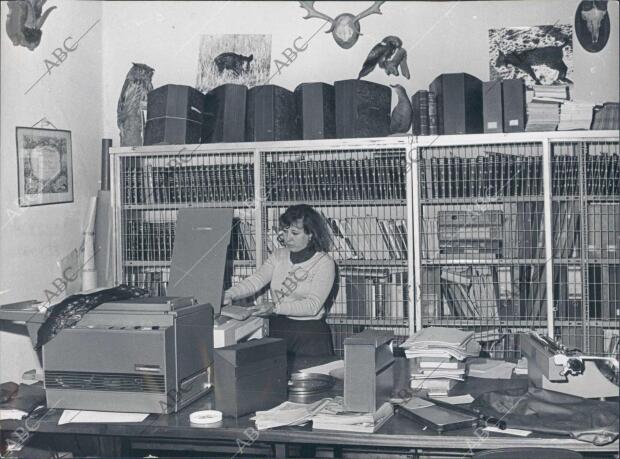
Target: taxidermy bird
(388, 55)
(24, 22)
(131, 107)
(400, 122)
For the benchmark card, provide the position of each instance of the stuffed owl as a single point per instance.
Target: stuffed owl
(131, 109)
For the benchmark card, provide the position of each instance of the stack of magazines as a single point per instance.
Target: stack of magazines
(437, 358)
(334, 416)
(288, 414)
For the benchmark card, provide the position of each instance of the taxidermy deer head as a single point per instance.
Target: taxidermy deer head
(594, 17)
(345, 27)
(24, 22)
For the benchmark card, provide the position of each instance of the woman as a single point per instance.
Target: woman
(301, 278)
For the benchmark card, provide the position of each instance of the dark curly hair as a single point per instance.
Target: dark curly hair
(313, 223)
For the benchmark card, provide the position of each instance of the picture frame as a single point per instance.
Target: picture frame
(44, 166)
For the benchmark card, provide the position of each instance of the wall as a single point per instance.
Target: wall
(34, 239)
(440, 37)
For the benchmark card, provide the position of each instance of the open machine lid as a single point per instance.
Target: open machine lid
(199, 255)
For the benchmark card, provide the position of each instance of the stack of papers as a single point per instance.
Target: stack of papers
(333, 416)
(437, 358)
(287, 414)
(543, 115)
(433, 342)
(575, 115)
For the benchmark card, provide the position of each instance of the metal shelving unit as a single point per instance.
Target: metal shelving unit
(534, 186)
(498, 260)
(361, 186)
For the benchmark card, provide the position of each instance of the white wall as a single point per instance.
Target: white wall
(33, 239)
(440, 37)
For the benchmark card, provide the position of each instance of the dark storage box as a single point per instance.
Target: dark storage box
(459, 103)
(492, 108)
(250, 376)
(513, 97)
(172, 131)
(224, 119)
(368, 370)
(362, 109)
(271, 114)
(174, 115)
(316, 109)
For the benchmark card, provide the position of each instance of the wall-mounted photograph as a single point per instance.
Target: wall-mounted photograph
(540, 55)
(234, 58)
(44, 166)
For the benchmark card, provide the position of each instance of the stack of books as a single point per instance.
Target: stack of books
(543, 112)
(575, 115)
(437, 358)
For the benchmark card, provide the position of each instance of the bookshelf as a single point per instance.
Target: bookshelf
(519, 231)
(497, 233)
(361, 186)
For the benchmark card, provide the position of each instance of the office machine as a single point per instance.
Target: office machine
(368, 370)
(250, 376)
(553, 367)
(146, 355)
(197, 270)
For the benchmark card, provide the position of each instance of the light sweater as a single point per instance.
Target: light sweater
(298, 290)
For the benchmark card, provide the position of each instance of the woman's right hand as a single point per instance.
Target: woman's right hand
(227, 299)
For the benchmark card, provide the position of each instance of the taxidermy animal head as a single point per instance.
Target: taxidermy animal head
(236, 63)
(593, 17)
(345, 27)
(24, 22)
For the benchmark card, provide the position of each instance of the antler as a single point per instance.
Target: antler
(312, 13)
(374, 9)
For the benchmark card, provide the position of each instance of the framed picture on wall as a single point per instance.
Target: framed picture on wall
(44, 166)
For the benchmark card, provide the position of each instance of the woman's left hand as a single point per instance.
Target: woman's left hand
(264, 309)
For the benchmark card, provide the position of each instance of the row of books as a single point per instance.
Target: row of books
(606, 117)
(380, 177)
(490, 292)
(511, 230)
(366, 292)
(149, 184)
(602, 174)
(424, 104)
(494, 174)
(566, 229)
(603, 292)
(359, 238)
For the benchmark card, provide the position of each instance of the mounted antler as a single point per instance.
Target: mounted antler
(312, 13)
(345, 27)
(374, 9)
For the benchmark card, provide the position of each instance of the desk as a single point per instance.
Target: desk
(238, 437)
(399, 436)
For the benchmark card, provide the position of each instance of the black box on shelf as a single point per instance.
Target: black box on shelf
(513, 96)
(459, 103)
(225, 113)
(492, 111)
(317, 111)
(174, 115)
(362, 109)
(271, 114)
(250, 376)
